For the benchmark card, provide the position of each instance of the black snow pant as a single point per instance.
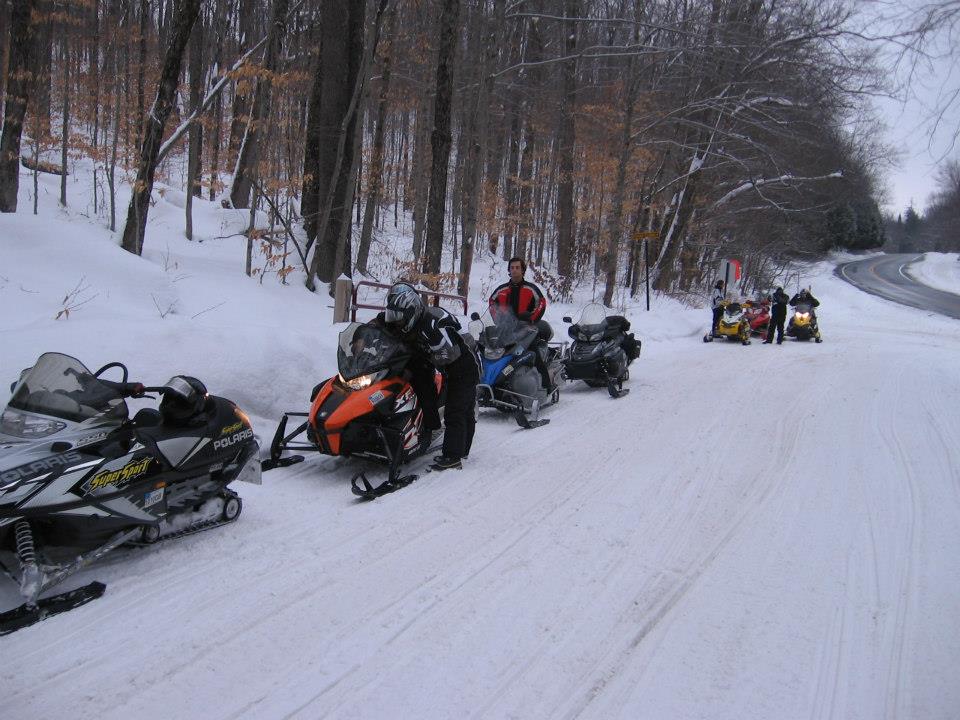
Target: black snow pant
(630, 346)
(717, 314)
(422, 380)
(460, 411)
(776, 324)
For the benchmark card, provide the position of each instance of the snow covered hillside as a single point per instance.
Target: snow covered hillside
(938, 270)
(753, 532)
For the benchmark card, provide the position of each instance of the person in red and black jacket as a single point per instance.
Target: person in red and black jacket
(528, 303)
(524, 297)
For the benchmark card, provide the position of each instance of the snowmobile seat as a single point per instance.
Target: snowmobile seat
(146, 417)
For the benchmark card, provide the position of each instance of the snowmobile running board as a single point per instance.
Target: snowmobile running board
(27, 615)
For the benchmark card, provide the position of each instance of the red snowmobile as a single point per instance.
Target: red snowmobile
(757, 313)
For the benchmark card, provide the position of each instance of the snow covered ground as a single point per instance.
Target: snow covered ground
(753, 532)
(938, 270)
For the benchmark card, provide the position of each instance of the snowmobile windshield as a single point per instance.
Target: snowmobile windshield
(592, 322)
(733, 309)
(60, 386)
(502, 329)
(803, 308)
(366, 349)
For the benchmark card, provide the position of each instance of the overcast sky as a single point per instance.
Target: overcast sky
(911, 129)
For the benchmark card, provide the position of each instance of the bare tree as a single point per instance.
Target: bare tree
(19, 79)
(135, 227)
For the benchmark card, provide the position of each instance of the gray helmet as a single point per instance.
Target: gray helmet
(404, 307)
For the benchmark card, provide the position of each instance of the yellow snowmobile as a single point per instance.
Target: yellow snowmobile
(803, 324)
(733, 324)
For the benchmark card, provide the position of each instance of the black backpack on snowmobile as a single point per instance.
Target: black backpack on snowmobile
(78, 478)
(601, 351)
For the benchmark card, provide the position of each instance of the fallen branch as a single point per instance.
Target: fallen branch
(41, 166)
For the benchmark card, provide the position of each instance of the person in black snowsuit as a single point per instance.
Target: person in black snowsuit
(716, 299)
(778, 315)
(804, 296)
(433, 335)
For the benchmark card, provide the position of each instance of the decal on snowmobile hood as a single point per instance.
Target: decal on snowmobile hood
(120, 476)
(30, 470)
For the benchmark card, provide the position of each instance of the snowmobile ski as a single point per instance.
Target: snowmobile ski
(26, 615)
(272, 463)
(526, 423)
(362, 488)
(616, 389)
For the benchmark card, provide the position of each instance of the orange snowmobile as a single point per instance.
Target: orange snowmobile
(369, 410)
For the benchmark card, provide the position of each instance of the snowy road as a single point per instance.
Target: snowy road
(887, 276)
(753, 532)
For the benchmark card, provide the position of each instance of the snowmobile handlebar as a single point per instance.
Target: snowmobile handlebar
(125, 389)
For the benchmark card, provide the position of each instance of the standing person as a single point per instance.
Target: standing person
(525, 298)
(778, 315)
(528, 303)
(433, 335)
(717, 299)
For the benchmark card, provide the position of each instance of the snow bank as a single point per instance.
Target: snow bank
(938, 270)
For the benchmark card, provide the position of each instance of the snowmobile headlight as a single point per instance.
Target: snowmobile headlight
(803, 316)
(27, 426)
(359, 383)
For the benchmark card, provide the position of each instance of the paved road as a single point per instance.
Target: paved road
(885, 275)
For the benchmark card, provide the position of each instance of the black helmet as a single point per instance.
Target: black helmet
(404, 307)
(183, 399)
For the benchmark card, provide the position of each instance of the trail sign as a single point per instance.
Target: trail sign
(730, 271)
(646, 235)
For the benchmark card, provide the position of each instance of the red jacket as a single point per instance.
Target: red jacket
(526, 300)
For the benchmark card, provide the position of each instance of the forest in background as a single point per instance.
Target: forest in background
(557, 130)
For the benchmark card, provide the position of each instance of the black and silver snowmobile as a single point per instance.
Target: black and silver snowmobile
(601, 351)
(79, 478)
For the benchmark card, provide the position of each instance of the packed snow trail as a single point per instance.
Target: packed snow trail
(753, 532)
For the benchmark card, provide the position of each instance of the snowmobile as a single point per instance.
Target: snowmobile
(803, 323)
(79, 478)
(596, 355)
(368, 410)
(758, 315)
(509, 379)
(733, 324)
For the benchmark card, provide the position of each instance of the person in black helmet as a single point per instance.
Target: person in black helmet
(778, 315)
(717, 298)
(433, 335)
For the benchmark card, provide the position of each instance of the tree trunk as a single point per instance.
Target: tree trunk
(335, 126)
(142, 68)
(65, 119)
(136, 224)
(472, 186)
(615, 222)
(566, 141)
(440, 138)
(42, 62)
(245, 173)
(241, 101)
(196, 130)
(19, 80)
(376, 160)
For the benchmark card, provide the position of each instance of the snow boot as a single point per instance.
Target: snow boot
(447, 463)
